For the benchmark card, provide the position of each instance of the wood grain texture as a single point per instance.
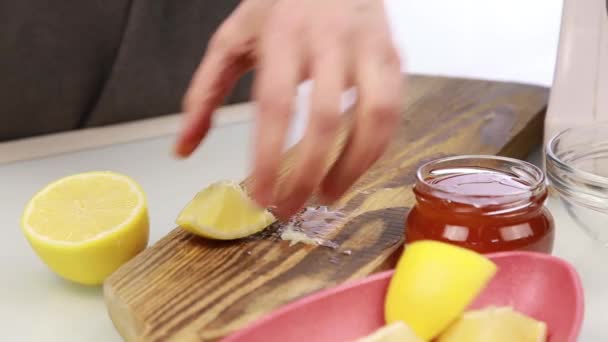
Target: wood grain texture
(185, 288)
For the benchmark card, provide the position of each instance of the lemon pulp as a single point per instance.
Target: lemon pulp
(224, 211)
(496, 324)
(85, 226)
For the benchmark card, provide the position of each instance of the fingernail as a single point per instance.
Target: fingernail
(287, 208)
(177, 153)
(262, 198)
(180, 151)
(325, 199)
(329, 193)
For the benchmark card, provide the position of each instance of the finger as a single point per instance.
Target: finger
(309, 168)
(212, 81)
(275, 88)
(380, 84)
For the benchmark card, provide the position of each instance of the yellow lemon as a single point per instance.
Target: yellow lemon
(224, 211)
(395, 332)
(85, 226)
(496, 324)
(433, 284)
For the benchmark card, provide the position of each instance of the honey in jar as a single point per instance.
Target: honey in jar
(484, 203)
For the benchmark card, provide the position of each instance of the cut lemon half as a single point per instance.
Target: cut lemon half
(224, 211)
(433, 284)
(85, 226)
(395, 332)
(496, 324)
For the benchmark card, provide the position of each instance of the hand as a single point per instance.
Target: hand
(337, 44)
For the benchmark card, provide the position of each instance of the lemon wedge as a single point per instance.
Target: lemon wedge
(224, 211)
(433, 284)
(85, 226)
(395, 332)
(496, 324)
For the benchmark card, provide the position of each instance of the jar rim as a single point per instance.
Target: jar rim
(534, 177)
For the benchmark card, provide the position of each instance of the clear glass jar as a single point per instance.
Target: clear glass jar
(484, 203)
(577, 168)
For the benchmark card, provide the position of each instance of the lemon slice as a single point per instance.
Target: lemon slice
(433, 284)
(496, 324)
(85, 226)
(224, 211)
(395, 332)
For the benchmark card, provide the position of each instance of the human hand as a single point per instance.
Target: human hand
(337, 44)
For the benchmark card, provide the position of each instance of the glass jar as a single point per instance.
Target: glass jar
(577, 168)
(484, 203)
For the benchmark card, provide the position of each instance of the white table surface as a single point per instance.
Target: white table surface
(517, 42)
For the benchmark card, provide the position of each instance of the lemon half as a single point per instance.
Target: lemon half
(85, 226)
(224, 211)
(496, 324)
(433, 284)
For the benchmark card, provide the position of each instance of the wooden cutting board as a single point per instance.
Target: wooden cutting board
(186, 288)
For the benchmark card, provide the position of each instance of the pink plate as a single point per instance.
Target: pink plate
(542, 286)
